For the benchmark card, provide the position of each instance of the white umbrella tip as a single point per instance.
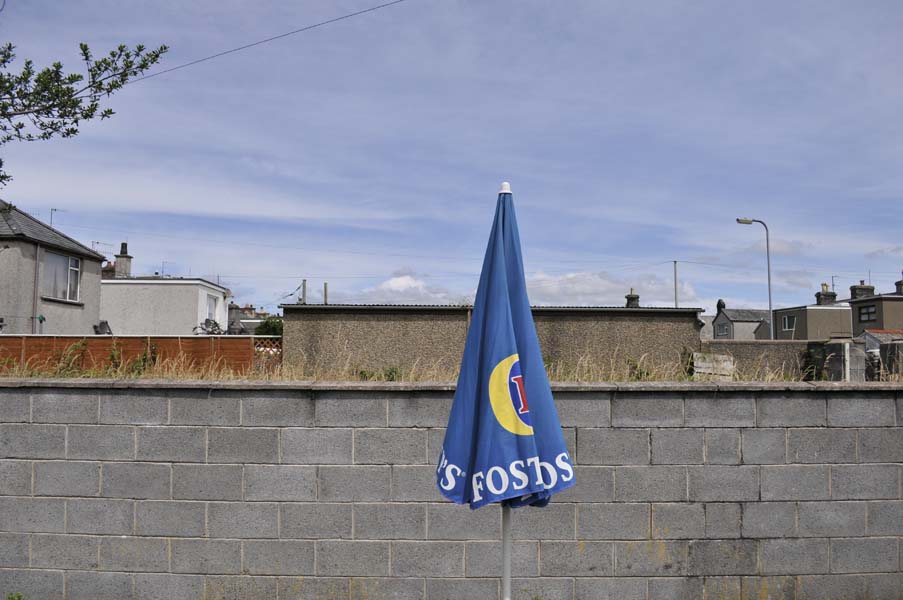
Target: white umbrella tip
(506, 188)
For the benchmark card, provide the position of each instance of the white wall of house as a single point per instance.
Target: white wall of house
(160, 306)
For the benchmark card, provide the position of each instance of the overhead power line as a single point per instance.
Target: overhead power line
(269, 39)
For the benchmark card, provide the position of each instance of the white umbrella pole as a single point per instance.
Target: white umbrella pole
(506, 552)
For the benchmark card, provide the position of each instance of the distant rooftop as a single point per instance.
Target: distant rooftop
(161, 279)
(458, 307)
(18, 225)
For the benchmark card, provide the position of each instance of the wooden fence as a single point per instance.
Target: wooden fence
(102, 351)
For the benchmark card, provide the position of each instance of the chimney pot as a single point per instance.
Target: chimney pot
(633, 299)
(825, 296)
(123, 266)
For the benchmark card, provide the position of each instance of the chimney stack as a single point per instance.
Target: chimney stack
(899, 285)
(825, 297)
(861, 290)
(123, 264)
(633, 299)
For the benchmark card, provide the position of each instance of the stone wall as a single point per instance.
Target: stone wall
(142, 490)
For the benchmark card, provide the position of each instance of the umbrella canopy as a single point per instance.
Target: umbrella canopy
(504, 440)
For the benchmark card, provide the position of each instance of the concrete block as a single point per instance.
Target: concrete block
(722, 557)
(428, 559)
(381, 588)
(547, 588)
(63, 406)
(885, 518)
(723, 588)
(99, 586)
(201, 407)
(390, 521)
(723, 484)
(654, 558)
(457, 522)
(832, 519)
(206, 482)
(554, 522)
(279, 557)
(613, 446)
(21, 440)
(145, 407)
(791, 411)
(821, 446)
(32, 515)
(206, 556)
(414, 483)
(327, 588)
(288, 408)
(316, 521)
(391, 447)
(612, 521)
(722, 520)
(242, 445)
(455, 589)
(64, 552)
(282, 483)
(881, 445)
(722, 446)
(43, 585)
(579, 409)
(763, 446)
(232, 587)
(594, 484)
(420, 410)
(13, 550)
(66, 478)
(101, 442)
(859, 411)
(864, 555)
(435, 439)
(650, 484)
(866, 482)
(670, 588)
(356, 484)
(720, 411)
(176, 519)
(769, 519)
(155, 586)
(355, 558)
(141, 554)
(647, 410)
(317, 446)
(144, 481)
(100, 516)
(242, 520)
(678, 521)
(597, 588)
(484, 559)
(899, 410)
(570, 441)
(172, 444)
(831, 587)
(677, 447)
(770, 588)
(808, 482)
(14, 406)
(351, 409)
(15, 478)
(576, 559)
(886, 585)
(793, 557)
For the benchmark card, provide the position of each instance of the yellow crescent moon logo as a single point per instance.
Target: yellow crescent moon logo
(500, 398)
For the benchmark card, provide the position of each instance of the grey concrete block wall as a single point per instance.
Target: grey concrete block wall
(213, 492)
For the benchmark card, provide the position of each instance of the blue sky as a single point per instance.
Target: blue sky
(368, 153)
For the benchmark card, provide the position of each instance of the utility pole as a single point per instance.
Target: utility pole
(833, 277)
(54, 210)
(325, 292)
(303, 291)
(675, 284)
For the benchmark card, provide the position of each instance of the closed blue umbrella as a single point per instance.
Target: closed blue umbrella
(503, 442)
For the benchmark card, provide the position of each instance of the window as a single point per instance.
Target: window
(868, 313)
(721, 329)
(62, 276)
(788, 323)
(211, 307)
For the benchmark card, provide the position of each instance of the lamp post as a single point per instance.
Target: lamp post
(768, 261)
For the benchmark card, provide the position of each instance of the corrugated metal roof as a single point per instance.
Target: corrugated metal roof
(16, 224)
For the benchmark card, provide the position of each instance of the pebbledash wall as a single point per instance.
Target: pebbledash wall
(144, 490)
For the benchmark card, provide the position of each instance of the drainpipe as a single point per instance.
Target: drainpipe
(34, 299)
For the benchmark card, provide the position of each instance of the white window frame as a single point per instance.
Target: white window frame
(212, 315)
(788, 322)
(74, 269)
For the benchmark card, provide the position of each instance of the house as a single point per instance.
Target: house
(876, 311)
(49, 282)
(824, 320)
(244, 320)
(739, 323)
(159, 305)
(874, 338)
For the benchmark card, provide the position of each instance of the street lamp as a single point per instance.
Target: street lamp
(768, 261)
